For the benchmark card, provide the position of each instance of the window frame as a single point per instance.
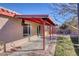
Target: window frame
(26, 27)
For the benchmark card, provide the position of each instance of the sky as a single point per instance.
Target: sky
(36, 8)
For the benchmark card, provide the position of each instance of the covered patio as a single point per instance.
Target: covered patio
(43, 20)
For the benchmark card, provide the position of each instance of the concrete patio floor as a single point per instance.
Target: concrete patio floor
(35, 48)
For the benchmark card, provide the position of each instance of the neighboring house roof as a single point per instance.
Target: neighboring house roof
(35, 18)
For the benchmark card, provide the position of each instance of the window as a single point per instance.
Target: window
(38, 30)
(26, 29)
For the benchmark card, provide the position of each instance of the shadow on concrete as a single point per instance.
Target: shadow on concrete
(29, 50)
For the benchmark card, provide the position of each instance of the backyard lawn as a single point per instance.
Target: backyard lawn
(65, 47)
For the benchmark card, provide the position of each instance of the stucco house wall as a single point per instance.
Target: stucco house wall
(11, 30)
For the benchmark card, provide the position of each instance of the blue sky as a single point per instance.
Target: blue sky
(37, 9)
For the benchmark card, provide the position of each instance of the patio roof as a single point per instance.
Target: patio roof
(36, 18)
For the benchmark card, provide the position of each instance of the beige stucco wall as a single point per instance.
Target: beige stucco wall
(47, 30)
(33, 27)
(11, 30)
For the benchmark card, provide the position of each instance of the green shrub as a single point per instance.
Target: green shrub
(64, 47)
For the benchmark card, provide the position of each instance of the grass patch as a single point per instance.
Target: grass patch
(64, 47)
